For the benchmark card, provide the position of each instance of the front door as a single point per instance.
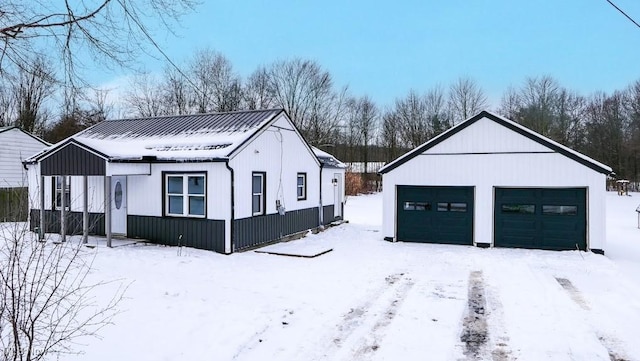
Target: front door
(119, 205)
(337, 196)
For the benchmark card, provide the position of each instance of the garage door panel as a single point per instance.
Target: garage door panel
(552, 218)
(518, 224)
(435, 214)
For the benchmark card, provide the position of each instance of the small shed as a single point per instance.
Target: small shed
(222, 181)
(489, 181)
(16, 145)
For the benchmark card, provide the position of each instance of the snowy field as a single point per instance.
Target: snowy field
(369, 299)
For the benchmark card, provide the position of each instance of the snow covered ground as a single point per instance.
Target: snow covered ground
(369, 299)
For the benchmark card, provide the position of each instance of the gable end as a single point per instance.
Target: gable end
(484, 114)
(72, 159)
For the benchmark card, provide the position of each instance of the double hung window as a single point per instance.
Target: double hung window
(185, 195)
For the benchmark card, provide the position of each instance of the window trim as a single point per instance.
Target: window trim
(262, 194)
(186, 196)
(56, 190)
(304, 186)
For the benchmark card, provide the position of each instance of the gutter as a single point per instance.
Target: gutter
(321, 213)
(226, 163)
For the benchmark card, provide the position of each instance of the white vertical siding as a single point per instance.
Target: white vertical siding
(497, 164)
(327, 185)
(16, 146)
(145, 194)
(33, 180)
(282, 154)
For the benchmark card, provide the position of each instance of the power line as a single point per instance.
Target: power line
(623, 13)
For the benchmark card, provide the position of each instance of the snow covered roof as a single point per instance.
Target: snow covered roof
(566, 151)
(181, 137)
(327, 160)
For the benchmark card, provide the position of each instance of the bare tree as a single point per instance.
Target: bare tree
(7, 104)
(435, 106)
(47, 302)
(108, 32)
(176, 91)
(145, 96)
(306, 92)
(363, 122)
(538, 99)
(466, 99)
(78, 116)
(257, 92)
(389, 137)
(510, 103)
(217, 87)
(410, 112)
(31, 88)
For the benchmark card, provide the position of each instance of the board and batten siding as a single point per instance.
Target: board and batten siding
(259, 230)
(486, 155)
(189, 232)
(281, 161)
(16, 146)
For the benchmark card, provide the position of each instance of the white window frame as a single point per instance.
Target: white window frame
(186, 196)
(57, 201)
(263, 177)
(302, 186)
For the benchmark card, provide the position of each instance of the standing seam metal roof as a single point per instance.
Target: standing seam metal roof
(195, 124)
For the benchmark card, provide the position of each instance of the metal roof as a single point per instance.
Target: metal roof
(179, 125)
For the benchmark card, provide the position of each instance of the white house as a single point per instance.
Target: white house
(332, 185)
(489, 181)
(16, 145)
(220, 181)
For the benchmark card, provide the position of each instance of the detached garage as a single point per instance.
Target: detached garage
(491, 182)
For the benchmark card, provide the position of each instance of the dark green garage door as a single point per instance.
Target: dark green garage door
(435, 214)
(542, 218)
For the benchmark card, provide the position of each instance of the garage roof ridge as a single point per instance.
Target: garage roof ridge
(510, 124)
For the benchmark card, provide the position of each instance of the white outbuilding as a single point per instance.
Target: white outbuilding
(489, 181)
(222, 181)
(16, 145)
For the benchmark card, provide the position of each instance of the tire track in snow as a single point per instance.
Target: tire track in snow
(474, 328)
(362, 329)
(610, 343)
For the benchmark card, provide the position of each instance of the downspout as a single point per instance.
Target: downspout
(321, 216)
(226, 163)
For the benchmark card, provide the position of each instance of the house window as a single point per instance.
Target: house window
(185, 195)
(59, 192)
(257, 193)
(302, 186)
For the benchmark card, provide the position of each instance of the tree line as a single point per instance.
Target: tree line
(603, 126)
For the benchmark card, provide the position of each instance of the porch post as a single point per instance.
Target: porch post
(85, 209)
(107, 208)
(63, 210)
(41, 235)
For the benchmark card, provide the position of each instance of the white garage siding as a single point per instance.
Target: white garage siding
(486, 155)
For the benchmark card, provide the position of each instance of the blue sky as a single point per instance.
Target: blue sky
(384, 48)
